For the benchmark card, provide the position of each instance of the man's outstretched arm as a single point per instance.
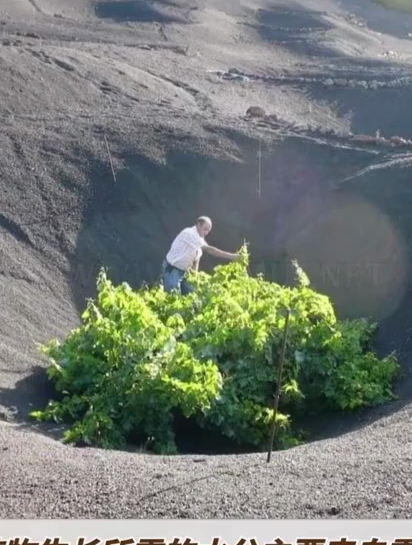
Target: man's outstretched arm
(220, 253)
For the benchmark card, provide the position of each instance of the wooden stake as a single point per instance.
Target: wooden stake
(110, 159)
(260, 169)
(277, 395)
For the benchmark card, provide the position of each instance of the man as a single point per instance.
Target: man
(185, 253)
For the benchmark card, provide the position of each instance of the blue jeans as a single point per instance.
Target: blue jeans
(174, 278)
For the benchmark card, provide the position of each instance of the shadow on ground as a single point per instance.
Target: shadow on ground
(295, 28)
(30, 393)
(140, 11)
(360, 106)
(380, 18)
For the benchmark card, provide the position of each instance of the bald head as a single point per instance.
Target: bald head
(203, 225)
